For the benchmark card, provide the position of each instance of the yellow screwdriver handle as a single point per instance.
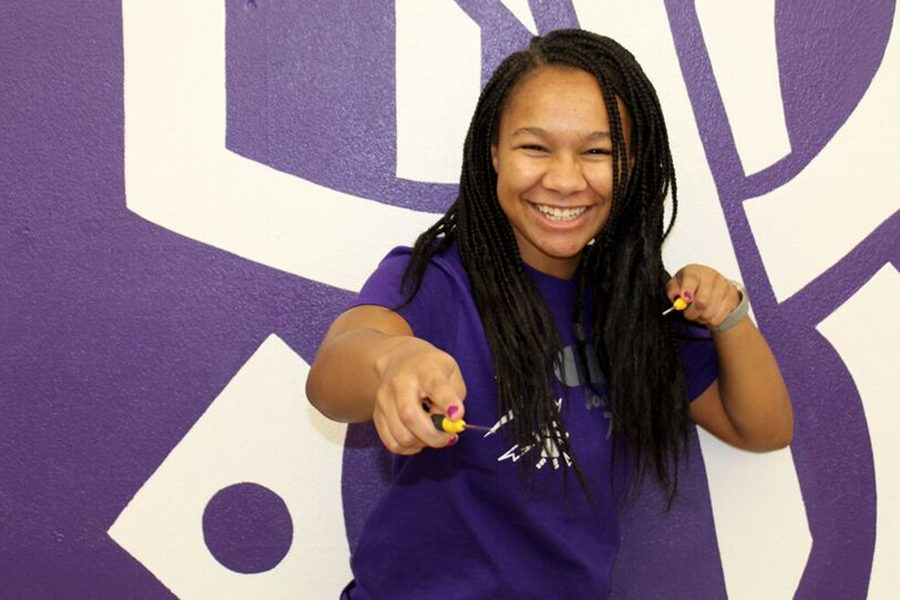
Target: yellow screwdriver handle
(442, 423)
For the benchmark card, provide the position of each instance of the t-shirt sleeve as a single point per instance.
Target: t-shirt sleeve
(698, 358)
(431, 314)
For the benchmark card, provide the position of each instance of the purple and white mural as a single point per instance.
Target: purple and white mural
(191, 191)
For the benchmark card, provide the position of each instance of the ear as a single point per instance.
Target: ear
(494, 156)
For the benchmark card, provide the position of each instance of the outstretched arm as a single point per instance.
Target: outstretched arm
(369, 366)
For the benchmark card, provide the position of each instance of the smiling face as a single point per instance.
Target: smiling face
(554, 164)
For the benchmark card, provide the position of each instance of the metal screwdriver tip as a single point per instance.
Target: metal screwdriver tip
(478, 427)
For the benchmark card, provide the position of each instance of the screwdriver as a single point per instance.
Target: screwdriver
(442, 423)
(679, 304)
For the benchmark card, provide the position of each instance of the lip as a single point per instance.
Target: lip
(575, 223)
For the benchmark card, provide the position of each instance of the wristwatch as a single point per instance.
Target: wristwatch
(740, 311)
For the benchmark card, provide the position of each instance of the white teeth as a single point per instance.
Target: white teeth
(560, 214)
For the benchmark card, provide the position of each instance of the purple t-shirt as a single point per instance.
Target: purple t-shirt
(459, 522)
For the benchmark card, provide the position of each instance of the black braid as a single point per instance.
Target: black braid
(623, 266)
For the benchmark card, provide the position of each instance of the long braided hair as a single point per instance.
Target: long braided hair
(622, 266)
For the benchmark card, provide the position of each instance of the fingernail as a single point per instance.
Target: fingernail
(688, 296)
(452, 410)
(453, 440)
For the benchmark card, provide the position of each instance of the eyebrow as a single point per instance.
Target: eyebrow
(594, 135)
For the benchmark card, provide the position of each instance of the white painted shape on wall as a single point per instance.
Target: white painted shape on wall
(180, 175)
(852, 186)
(259, 429)
(740, 39)
(760, 519)
(865, 332)
(521, 10)
(438, 78)
(701, 236)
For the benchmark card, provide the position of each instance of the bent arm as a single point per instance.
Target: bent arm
(344, 376)
(749, 406)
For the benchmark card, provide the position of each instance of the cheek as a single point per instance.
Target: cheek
(600, 181)
(516, 176)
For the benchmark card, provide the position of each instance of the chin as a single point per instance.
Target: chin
(567, 251)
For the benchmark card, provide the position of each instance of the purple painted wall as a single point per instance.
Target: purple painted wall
(116, 333)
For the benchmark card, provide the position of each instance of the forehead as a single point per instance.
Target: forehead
(552, 93)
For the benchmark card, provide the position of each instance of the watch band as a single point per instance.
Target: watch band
(740, 311)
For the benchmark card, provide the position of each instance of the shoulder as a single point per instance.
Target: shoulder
(443, 272)
(432, 308)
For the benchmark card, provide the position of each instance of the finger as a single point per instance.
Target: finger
(694, 311)
(673, 289)
(706, 294)
(689, 282)
(699, 310)
(418, 423)
(387, 438)
(401, 433)
(447, 392)
(720, 305)
(713, 293)
(446, 400)
(730, 299)
(714, 299)
(459, 386)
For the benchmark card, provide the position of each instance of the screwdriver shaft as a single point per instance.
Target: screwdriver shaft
(442, 423)
(478, 427)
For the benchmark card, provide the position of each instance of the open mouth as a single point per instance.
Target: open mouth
(560, 215)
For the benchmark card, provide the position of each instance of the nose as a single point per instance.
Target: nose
(564, 175)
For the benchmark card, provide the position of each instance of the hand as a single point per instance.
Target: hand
(414, 374)
(709, 295)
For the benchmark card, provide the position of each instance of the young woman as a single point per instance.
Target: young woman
(535, 307)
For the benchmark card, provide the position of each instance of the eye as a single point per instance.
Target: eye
(533, 148)
(599, 152)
